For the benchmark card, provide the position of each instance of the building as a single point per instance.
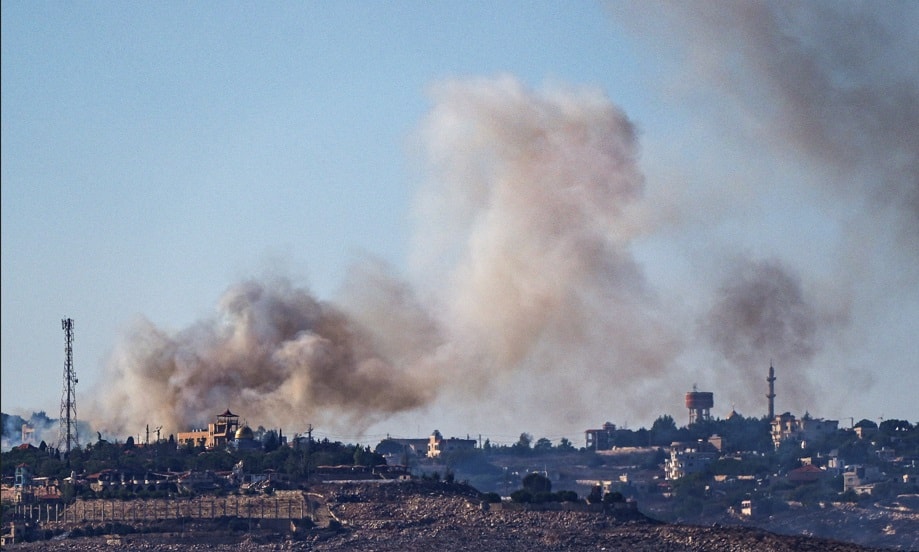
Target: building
(437, 445)
(402, 451)
(216, 435)
(860, 479)
(808, 473)
(244, 439)
(785, 427)
(688, 458)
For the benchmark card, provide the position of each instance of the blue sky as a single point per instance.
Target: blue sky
(154, 155)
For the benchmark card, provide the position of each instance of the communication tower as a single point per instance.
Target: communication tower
(68, 435)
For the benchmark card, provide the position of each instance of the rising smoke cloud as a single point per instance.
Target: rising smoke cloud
(834, 81)
(525, 301)
(272, 351)
(524, 271)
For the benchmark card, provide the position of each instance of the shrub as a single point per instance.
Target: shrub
(522, 496)
(567, 496)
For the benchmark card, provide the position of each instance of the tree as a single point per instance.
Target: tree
(663, 423)
(270, 441)
(565, 445)
(663, 430)
(523, 444)
(537, 483)
(543, 445)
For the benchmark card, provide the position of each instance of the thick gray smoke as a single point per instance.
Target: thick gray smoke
(760, 312)
(837, 81)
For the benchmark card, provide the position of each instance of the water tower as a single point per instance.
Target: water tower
(699, 404)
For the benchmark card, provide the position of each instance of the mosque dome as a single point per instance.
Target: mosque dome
(245, 432)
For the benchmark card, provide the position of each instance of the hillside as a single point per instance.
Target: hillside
(429, 515)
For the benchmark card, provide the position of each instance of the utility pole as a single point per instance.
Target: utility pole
(68, 419)
(309, 448)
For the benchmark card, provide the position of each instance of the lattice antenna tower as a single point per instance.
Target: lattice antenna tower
(68, 436)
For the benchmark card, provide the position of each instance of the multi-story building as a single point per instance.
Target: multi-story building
(217, 435)
(785, 427)
(687, 458)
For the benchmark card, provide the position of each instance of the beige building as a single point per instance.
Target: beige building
(437, 445)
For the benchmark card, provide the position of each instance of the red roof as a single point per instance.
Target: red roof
(228, 414)
(808, 472)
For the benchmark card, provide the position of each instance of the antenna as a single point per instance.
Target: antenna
(68, 434)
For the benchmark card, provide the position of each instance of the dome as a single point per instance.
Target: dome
(245, 432)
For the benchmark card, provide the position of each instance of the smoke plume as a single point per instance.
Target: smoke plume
(761, 311)
(525, 300)
(271, 351)
(523, 278)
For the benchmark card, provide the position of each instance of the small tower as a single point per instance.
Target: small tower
(771, 394)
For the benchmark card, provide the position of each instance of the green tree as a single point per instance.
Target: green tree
(663, 430)
(523, 444)
(537, 483)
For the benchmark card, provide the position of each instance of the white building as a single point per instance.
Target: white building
(785, 427)
(688, 458)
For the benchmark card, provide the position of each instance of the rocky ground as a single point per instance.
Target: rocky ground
(427, 515)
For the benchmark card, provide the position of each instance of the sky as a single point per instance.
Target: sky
(386, 218)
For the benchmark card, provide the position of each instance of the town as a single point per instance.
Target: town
(745, 470)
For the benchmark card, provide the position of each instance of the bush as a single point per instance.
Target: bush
(522, 496)
(492, 498)
(544, 496)
(567, 496)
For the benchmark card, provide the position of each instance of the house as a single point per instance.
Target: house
(687, 458)
(785, 427)
(860, 478)
(807, 473)
(437, 445)
(216, 435)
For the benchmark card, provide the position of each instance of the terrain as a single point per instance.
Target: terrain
(435, 515)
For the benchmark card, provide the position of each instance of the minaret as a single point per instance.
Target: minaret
(771, 395)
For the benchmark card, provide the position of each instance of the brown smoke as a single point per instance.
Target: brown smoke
(271, 351)
(524, 301)
(525, 282)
